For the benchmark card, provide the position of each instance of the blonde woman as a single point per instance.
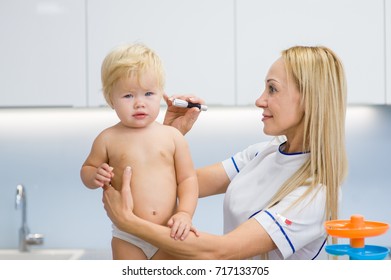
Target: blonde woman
(279, 194)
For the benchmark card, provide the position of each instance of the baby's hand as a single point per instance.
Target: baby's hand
(104, 174)
(181, 225)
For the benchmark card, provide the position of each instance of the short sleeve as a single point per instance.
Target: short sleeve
(293, 228)
(234, 164)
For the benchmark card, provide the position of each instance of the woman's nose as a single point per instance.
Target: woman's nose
(261, 101)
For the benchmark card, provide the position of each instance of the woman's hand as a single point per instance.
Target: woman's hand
(181, 118)
(119, 204)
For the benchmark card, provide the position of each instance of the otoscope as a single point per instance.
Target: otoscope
(185, 104)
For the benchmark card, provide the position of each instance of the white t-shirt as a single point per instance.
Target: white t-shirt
(256, 174)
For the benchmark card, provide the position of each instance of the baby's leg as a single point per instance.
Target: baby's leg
(123, 250)
(161, 255)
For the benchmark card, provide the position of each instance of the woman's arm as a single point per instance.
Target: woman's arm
(248, 240)
(212, 180)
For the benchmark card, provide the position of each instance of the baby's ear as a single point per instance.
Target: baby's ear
(110, 102)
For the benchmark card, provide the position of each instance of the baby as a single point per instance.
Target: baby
(164, 182)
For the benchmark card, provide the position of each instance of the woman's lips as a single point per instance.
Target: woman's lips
(266, 117)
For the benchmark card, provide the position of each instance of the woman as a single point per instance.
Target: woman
(279, 194)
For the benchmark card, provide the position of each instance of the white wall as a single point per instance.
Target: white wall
(194, 39)
(354, 29)
(51, 51)
(44, 149)
(42, 53)
(387, 13)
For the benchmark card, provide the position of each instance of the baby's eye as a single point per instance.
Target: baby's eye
(149, 93)
(128, 96)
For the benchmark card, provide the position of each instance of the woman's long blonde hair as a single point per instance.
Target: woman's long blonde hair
(319, 76)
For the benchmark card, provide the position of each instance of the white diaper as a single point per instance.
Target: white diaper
(148, 249)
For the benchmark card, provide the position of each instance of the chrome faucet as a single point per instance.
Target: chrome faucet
(25, 237)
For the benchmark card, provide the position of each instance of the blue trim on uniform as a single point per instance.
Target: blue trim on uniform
(289, 154)
(320, 249)
(282, 230)
(236, 167)
(254, 214)
(290, 243)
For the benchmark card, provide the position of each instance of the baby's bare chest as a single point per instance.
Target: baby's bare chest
(139, 151)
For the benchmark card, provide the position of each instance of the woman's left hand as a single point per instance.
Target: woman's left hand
(119, 204)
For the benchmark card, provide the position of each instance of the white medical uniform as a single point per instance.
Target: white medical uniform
(256, 174)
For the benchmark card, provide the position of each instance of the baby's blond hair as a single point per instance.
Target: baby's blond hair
(130, 60)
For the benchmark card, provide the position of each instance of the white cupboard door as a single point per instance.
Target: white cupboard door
(193, 38)
(353, 29)
(42, 53)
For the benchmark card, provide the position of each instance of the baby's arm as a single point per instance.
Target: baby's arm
(181, 222)
(95, 172)
(95, 177)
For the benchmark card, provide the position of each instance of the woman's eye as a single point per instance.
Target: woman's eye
(272, 89)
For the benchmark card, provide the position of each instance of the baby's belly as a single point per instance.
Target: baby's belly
(154, 197)
(154, 193)
(157, 208)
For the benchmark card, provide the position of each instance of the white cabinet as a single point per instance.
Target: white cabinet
(353, 29)
(388, 50)
(42, 53)
(51, 51)
(193, 38)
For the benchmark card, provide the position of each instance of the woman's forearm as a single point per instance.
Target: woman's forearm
(192, 247)
(204, 246)
(248, 240)
(212, 180)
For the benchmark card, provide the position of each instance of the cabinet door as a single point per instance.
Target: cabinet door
(42, 53)
(193, 38)
(353, 29)
(388, 49)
